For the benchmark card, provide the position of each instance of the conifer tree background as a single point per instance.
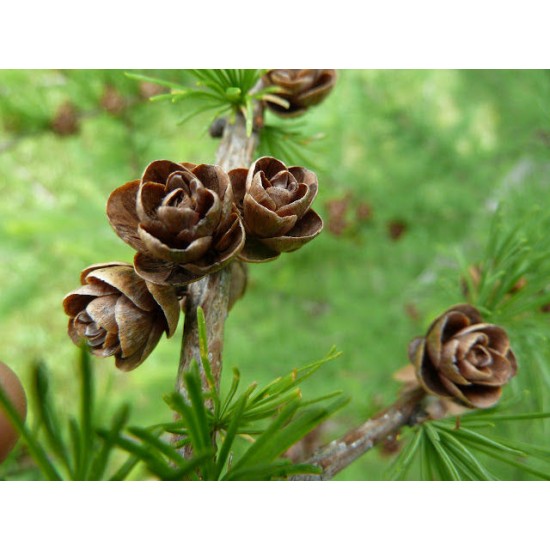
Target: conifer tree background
(412, 166)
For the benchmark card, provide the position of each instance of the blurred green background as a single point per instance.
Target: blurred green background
(411, 166)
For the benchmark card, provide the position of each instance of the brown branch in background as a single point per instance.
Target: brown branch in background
(340, 453)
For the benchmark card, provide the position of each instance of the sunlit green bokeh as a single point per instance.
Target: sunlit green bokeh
(432, 150)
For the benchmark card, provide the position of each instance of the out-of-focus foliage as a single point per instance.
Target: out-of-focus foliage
(238, 435)
(411, 168)
(65, 444)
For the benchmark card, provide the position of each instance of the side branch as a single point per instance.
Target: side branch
(340, 453)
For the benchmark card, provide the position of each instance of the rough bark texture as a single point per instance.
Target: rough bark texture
(340, 453)
(236, 148)
(212, 292)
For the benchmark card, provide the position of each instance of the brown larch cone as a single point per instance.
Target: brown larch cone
(301, 88)
(363, 212)
(436, 407)
(13, 389)
(239, 281)
(149, 89)
(118, 313)
(275, 204)
(464, 358)
(180, 218)
(396, 229)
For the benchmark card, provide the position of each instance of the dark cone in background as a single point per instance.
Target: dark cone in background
(65, 121)
(396, 229)
(337, 210)
(113, 101)
(147, 90)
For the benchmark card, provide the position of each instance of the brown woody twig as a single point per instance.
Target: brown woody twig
(340, 453)
(211, 293)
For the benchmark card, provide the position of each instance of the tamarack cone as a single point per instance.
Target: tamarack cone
(301, 88)
(275, 204)
(180, 218)
(463, 358)
(117, 313)
(186, 221)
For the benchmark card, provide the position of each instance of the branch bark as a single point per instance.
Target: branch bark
(212, 292)
(340, 453)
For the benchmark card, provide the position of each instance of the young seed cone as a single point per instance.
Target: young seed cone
(117, 313)
(275, 203)
(301, 88)
(463, 358)
(180, 218)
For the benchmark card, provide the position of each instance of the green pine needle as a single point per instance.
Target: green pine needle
(36, 450)
(221, 91)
